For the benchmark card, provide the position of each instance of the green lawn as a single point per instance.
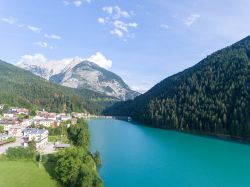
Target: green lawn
(24, 174)
(53, 138)
(63, 139)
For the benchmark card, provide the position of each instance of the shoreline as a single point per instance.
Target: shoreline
(225, 137)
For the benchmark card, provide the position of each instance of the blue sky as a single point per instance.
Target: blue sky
(146, 41)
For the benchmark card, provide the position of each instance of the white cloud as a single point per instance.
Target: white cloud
(108, 9)
(117, 32)
(119, 13)
(8, 20)
(66, 3)
(32, 59)
(53, 36)
(77, 3)
(115, 20)
(102, 20)
(88, 1)
(116, 12)
(34, 29)
(42, 44)
(120, 25)
(165, 26)
(191, 19)
(100, 60)
(120, 28)
(35, 59)
(135, 25)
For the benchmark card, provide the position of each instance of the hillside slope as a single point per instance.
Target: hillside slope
(21, 88)
(213, 97)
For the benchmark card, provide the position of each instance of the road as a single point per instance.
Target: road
(18, 142)
(49, 149)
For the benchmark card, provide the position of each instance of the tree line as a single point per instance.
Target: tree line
(77, 166)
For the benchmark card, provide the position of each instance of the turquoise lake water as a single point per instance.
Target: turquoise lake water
(138, 156)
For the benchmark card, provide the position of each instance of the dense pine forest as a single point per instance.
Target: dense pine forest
(213, 97)
(19, 87)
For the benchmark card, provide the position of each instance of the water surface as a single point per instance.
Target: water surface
(136, 156)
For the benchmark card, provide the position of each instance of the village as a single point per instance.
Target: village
(18, 128)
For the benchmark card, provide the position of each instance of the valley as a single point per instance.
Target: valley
(124, 93)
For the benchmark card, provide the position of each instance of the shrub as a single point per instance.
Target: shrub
(16, 153)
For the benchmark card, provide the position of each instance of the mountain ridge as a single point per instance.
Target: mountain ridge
(79, 73)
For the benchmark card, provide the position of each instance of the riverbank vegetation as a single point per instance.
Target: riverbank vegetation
(75, 166)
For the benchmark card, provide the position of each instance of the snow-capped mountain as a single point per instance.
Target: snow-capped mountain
(79, 73)
(48, 69)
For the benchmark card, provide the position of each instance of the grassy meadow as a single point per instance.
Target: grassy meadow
(24, 174)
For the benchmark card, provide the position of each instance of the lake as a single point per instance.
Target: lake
(136, 156)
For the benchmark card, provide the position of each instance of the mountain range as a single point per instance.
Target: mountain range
(79, 73)
(21, 88)
(212, 97)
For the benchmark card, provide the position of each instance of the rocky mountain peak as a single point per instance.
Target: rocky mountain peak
(79, 73)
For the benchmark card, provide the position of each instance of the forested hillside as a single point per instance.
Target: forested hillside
(212, 97)
(19, 87)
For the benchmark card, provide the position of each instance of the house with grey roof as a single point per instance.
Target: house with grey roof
(40, 136)
(4, 137)
(9, 114)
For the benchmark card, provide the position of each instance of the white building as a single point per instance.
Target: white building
(26, 123)
(52, 116)
(80, 115)
(15, 131)
(7, 124)
(9, 114)
(65, 118)
(23, 111)
(40, 136)
(4, 137)
(46, 122)
(37, 117)
(13, 109)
